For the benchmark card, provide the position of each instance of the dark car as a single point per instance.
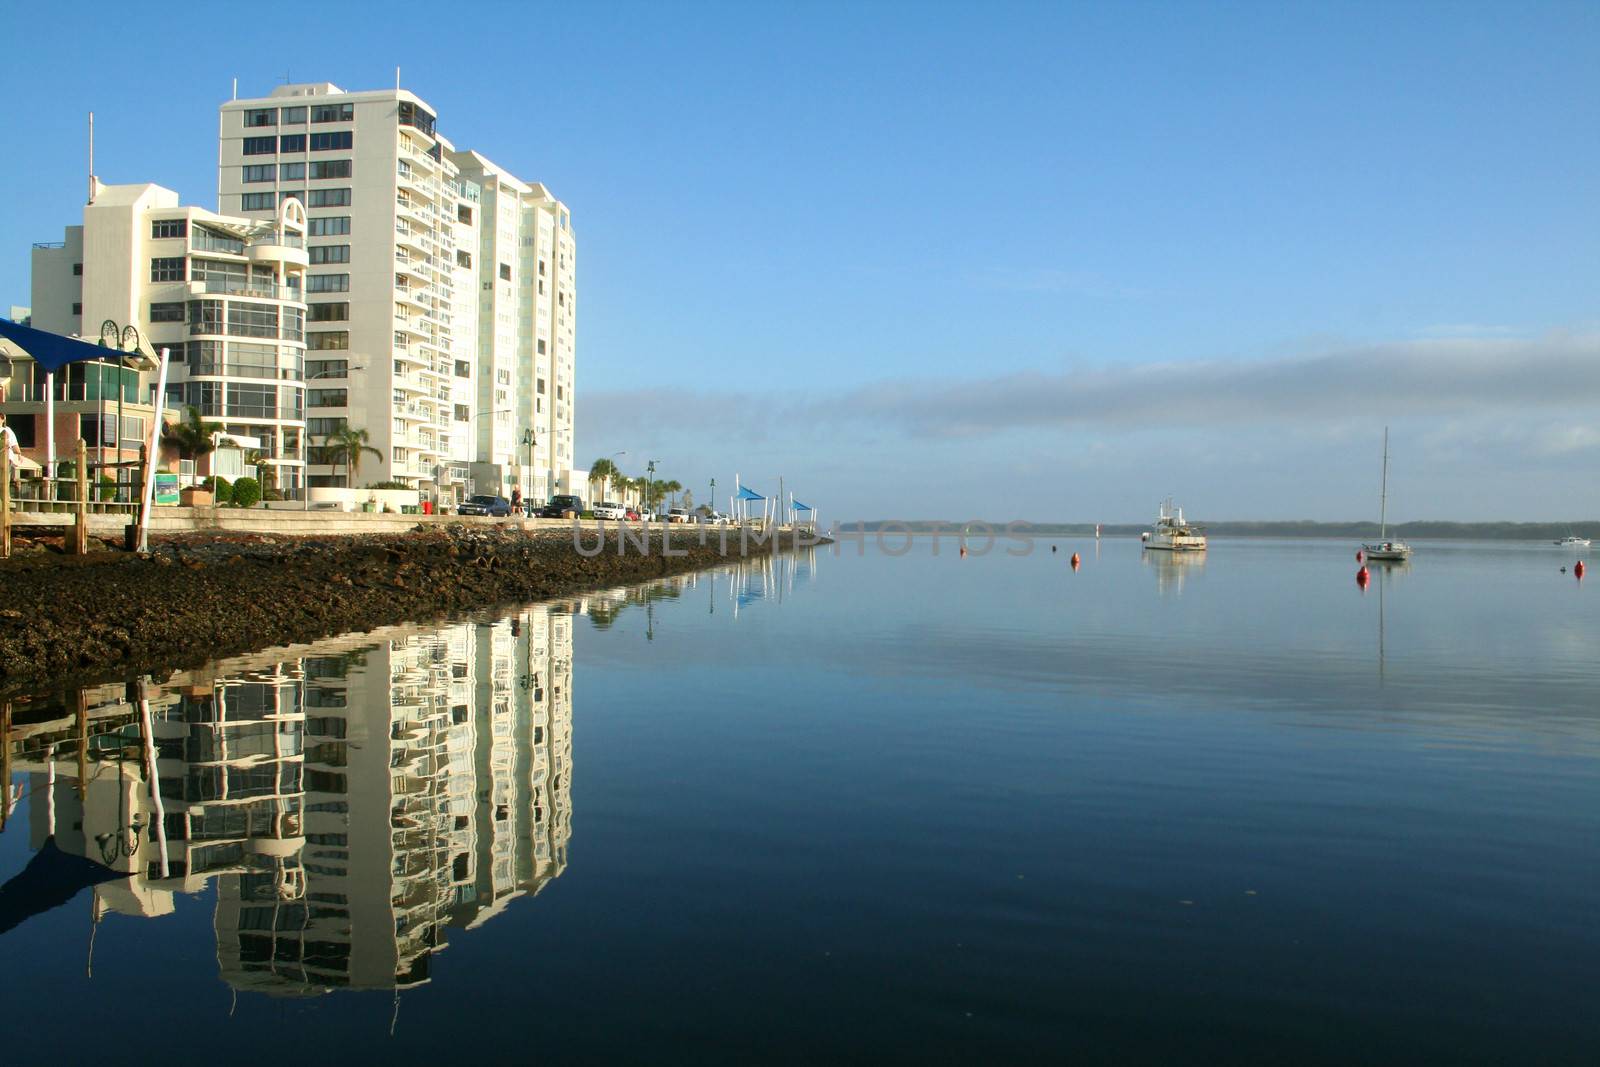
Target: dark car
(559, 506)
(485, 505)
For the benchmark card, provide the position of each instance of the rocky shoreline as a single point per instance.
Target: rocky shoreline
(68, 620)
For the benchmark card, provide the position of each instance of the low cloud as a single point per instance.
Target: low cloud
(1414, 378)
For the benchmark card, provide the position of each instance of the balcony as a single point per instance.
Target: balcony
(236, 287)
(288, 249)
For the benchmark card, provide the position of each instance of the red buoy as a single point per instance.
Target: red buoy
(1361, 557)
(963, 551)
(1075, 561)
(1363, 577)
(1577, 569)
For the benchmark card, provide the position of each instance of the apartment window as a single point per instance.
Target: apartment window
(260, 172)
(292, 172)
(505, 272)
(252, 320)
(327, 368)
(167, 269)
(329, 254)
(331, 226)
(560, 393)
(541, 286)
(207, 396)
(464, 214)
(541, 266)
(327, 398)
(294, 116)
(333, 340)
(329, 198)
(463, 369)
(292, 142)
(463, 259)
(328, 168)
(541, 386)
(330, 312)
(163, 228)
(292, 194)
(332, 141)
(251, 361)
(503, 377)
(260, 146)
(252, 401)
(328, 283)
(333, 112)
(261, 116)
(77, 307)
(172, 312)
(205, 316)
(414, 116)
(561, 298)
(541, 346)
(462, 414)
(77, 270)
(294, 324)
(229, 277)
(257, 202)
(322, 427)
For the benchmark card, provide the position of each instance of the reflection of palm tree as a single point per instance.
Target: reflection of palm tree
(347, 445)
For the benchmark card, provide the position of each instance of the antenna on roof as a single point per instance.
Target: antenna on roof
(91, 157)
(236, 88)
(397, 79)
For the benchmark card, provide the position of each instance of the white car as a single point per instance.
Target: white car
(679, 515)
(610, 511)
(646, 515)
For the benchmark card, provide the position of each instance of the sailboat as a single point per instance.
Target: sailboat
(1386, 550)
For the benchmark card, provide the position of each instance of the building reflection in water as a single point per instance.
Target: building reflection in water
(351, 800)
(351, 804)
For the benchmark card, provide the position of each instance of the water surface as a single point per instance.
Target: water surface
(867, 806)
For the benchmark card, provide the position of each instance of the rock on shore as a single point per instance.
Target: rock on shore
(67, 619)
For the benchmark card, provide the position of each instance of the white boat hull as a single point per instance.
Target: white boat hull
(1387, 553)
(1176, 544)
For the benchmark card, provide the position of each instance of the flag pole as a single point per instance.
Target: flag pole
(148, 496)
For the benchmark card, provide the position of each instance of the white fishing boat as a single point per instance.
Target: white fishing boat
(1573, 541)
(1172, 534)
(1385, 550)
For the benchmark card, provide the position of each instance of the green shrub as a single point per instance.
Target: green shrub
(108, 487)
(246, 493)
(221, 489)
(390, 485)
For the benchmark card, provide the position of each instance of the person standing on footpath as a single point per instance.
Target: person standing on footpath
(516, 499)
(8, 441)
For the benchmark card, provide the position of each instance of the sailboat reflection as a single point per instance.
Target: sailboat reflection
(351, 803)
(1173, 569)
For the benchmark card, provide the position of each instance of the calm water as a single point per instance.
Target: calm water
(849, 807)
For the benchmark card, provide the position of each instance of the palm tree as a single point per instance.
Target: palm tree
(347, 445)
(604, 472)
(190, 438)
(672, 489)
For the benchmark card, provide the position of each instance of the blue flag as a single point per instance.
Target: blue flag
(747, 493)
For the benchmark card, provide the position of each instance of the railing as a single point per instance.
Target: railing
(285, 240)
(230, 287)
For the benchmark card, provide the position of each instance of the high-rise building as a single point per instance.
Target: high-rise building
(430, 324)
(222, 293)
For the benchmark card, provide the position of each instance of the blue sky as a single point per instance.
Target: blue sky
(809, 233)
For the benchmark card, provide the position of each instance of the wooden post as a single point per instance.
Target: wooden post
(5, 763)
(80, 529)
(5, 503)
(83, 744)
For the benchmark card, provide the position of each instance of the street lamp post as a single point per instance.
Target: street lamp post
(529, 440)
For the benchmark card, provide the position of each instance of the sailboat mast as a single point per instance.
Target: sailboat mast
(1383, 495)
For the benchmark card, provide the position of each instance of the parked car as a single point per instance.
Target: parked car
(609, 510)
(679, 515)
(646, 515)
(559, 506)
(485, 505)
(631, 513)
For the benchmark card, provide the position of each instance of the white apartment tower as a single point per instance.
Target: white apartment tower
(412, 334)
